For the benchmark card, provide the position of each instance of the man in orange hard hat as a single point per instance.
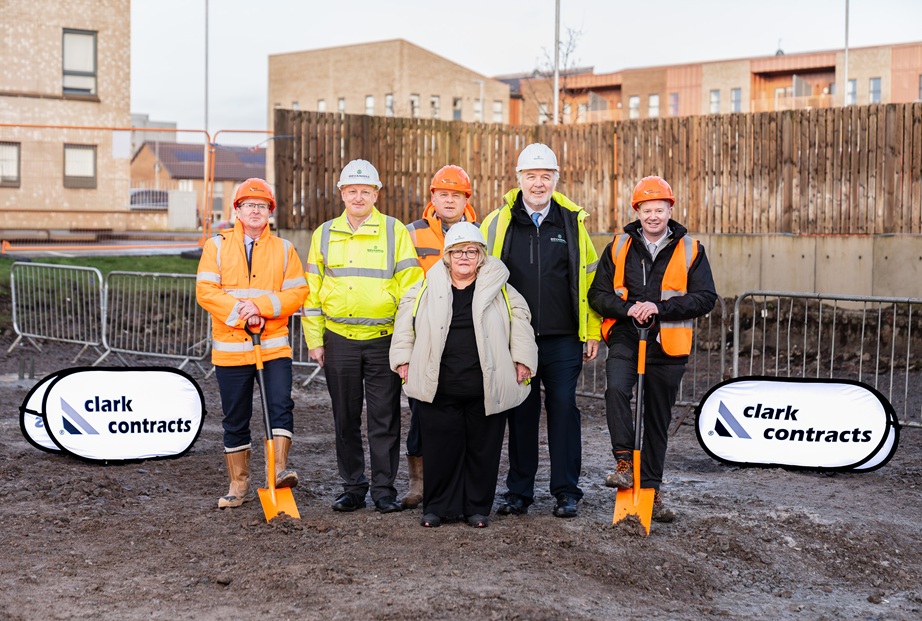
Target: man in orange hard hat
(249, 277)
(654, 270)
(450, 191)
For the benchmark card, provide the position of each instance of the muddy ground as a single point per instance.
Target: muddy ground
(146, 541)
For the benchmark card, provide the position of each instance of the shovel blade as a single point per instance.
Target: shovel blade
(638, 503)
(277, 501)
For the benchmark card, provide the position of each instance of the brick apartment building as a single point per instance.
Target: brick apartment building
(64, 63)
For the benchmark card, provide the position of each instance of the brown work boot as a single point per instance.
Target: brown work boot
(623, 476)
(415, 493)
(661, 513)
(283, 477)
(238, 468)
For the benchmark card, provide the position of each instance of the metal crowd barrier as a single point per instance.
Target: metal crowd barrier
(299, 350)
(152, 314)
(874, 340)
(57, 303)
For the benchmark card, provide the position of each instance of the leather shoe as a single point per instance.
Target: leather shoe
(512, 504)
(348, 502)
(388, 505)
(566, 507)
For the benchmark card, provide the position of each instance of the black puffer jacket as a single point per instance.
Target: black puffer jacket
(643, 278)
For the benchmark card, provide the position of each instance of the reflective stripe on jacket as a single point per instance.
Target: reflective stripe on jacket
(675, 336)
(357, 278)
(582, 262)
(276, 284)
(428, 237)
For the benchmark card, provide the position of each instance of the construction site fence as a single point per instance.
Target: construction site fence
(874, 340)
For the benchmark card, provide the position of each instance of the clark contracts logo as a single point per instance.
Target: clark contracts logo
(727, 422)
(75, 423)
(793, 422)
(132, 413)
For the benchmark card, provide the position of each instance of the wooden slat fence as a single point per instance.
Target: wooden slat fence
(841, 171)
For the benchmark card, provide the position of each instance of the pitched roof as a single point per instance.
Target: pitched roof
(187, 161)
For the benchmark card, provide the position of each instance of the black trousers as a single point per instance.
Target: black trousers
(461, 453)
(660, 388)
(236, 386)
(353, 370)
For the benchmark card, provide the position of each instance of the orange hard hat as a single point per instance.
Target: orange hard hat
(255, 188)
(652, 188)
(451, 177)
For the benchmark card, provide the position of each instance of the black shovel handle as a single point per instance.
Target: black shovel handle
(257, 349)
(643, 329)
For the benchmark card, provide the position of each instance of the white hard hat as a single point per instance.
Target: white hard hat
(536, 156)
(359, 172)
(464, 233)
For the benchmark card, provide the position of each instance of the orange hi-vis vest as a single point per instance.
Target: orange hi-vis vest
(675, 336)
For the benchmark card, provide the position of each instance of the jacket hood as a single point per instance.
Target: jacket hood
(510, 197)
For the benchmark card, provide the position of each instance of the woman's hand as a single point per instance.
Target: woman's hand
(402, 371)
(522, 372)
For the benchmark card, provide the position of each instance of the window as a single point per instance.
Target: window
(9, 164)
(434, 106)
(79, 61)
(277, 105)
(581, 110)
(497, 111)
(851, 92)
(321, 105)
(295, 105)
(370, 105)
(874, 88)
(341, 105)
(478, 110)
(456, 109)
(389, 104)
(715, 102)
(80, 166)
(542, 114)
(633, 107)
(414, 106)
(653, 106)
(673, 104)
(920, 87)
(736, 100)
(566, 114)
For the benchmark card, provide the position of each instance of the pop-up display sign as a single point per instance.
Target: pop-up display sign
(114, 414)
(815, 424)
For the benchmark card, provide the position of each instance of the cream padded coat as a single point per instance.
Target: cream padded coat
(500, 342)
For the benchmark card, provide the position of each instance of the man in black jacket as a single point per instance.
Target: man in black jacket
(652, 272)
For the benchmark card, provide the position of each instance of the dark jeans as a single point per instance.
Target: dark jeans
(353, 369)
(560, 361)
(660, 388)
(236, 386)
(461, 452)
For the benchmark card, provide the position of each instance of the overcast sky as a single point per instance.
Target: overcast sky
(492, 37)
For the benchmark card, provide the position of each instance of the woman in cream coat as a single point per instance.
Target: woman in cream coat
(464, 346)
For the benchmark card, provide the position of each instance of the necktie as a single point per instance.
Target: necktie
(250, 254)
(536, 217)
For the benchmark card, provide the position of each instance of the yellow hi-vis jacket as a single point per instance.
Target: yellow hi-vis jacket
(675, 336)
(583, 260)
(357, 278)
(275, 284)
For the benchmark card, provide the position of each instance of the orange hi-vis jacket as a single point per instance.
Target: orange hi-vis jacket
(675, 336)
(276, 284)
(428, 237)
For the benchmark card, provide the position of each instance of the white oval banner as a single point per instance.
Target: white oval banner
(801, 423)
(122, 414)
(30, 417)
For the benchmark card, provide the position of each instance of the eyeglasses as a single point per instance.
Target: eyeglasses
(467, 254)
(254, 207)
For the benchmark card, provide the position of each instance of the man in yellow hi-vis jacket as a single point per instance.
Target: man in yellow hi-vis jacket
(359, 266)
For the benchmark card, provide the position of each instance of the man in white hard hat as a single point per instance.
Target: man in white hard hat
(541, 236)
(359, 266)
